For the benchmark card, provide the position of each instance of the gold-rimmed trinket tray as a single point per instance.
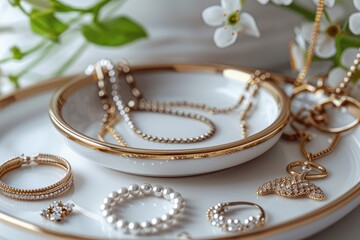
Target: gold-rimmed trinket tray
(76, 112)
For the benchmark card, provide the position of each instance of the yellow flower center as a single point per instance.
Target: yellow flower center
(332, 30)
(233, 18)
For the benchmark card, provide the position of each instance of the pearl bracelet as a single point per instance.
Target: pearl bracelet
(157, 224)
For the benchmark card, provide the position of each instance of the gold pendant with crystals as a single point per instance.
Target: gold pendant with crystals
(292, 187)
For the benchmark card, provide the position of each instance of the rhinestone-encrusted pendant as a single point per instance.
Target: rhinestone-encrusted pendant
(57, 211)
(292, 187)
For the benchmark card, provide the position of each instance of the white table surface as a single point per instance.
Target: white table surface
(345, 229)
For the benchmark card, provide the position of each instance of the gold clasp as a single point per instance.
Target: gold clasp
(307, 166)
(28, 159)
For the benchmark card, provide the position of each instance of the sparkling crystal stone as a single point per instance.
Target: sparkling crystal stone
(43, 211)
(55, 216)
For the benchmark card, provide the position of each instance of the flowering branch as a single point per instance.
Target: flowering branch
(113, 31)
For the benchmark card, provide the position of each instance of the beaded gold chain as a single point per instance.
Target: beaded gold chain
(105, 73)
(110, 117)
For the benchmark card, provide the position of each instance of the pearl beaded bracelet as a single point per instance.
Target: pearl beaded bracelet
(157, 224)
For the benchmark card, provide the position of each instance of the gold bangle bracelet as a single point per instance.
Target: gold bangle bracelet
(51, 191)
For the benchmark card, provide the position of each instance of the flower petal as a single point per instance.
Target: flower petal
(325, 47)
(354, 23)
(213, 16)
(224, 37)
(348, 56)
(297, 57)
(249, 24)
(335, 77)
(283, 2)
(355, 91)
(357, 4)
(299, 38)
(263, 2)
(306, 30)
(231, 6)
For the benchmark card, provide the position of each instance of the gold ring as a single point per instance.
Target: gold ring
(51, 191)
(216, 213)
(323, 172)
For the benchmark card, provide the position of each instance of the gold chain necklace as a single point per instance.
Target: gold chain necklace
(297, 185)
(105, 72)
(141, 104)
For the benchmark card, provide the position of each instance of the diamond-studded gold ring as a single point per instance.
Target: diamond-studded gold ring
(51, 191)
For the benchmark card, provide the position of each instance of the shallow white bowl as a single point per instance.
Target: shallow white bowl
(76, 112)
(26, 128)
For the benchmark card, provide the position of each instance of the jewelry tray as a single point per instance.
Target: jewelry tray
(30, 131)
(76, 112)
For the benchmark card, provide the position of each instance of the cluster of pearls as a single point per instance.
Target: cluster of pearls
(146, 227)
(216, 216)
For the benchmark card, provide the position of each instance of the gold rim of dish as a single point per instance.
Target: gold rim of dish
(262, 233)
(63, 94)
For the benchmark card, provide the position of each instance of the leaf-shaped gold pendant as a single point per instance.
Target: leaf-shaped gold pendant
(292, 187)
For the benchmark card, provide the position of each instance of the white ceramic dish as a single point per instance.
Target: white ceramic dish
(25, 128)
(76, 112)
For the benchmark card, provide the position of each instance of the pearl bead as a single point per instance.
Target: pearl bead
(179, 201)
(134, 228)
(166, 192)
(104, 206)
(157, 190)
(108, 200)
(146, 227)
(174, 212)
(123, 192)
(114, 195)
(111, 219)
(177, 206)
(134, 189)
(167, 218)
(174, 195)
(157, 223)
(146, 188)
(122, 225)
(106, 213)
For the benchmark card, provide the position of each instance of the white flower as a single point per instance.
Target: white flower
(337, 74)
(354, 19)
(325, 46)
(277, 2)
(327, 3)
(232, 20)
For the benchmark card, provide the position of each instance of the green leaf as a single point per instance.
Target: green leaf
(61, 7)
(15, 80)
(113, 32)
(14, 2)
(306, 13)
(16, 53)
(46, 24)
(343, 41)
